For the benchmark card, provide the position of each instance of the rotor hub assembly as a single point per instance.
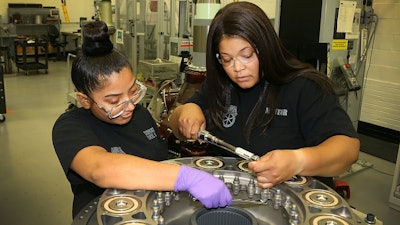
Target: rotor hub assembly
(301, 200)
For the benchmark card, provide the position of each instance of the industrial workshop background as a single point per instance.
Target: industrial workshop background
(381, 85)
(373, 106)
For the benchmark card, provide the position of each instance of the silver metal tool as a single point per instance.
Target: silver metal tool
(209, 138)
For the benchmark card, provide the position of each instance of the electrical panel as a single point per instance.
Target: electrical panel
(349, 75)
(324, 39)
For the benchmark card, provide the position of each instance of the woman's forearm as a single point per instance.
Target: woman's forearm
(330, 158)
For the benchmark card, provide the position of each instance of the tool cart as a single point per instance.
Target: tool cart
(31, 54)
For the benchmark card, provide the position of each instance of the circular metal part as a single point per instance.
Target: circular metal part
(222, 216)
(328, 220)
(209, 163)
(244, 166)
(322, 198)
(296, 180)
(301, 200)
(121, 204)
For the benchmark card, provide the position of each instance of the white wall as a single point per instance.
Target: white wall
(75, 8)
(381, 100)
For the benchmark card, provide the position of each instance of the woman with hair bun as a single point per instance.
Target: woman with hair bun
(112, 141)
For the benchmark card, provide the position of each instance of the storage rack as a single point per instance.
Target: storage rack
(31, 54)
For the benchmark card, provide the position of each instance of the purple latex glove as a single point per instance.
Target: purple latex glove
(209, 190)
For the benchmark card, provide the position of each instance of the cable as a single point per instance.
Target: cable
(371, 39)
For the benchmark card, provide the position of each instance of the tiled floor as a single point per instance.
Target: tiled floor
(33, 188)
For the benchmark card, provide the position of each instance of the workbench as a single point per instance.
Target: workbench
(75, 36)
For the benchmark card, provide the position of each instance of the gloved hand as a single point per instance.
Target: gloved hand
(209, 190)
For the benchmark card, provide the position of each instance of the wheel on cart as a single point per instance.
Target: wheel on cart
(2, 118)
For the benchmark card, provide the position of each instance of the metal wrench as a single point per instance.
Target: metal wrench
(209, 138)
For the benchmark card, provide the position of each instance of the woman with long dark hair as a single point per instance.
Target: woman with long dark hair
(258, 96)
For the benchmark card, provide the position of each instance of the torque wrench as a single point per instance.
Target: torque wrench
(209, 138)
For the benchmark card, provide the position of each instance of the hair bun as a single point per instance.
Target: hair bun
(96, 40)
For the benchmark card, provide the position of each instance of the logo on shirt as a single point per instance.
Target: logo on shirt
(230, 116)
(278, 112)
(150, 133)
(117, 150)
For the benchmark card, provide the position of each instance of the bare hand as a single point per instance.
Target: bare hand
(190, 120)
(275, 167)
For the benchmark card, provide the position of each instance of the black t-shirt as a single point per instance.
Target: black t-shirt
(78, 128)
(305, 116)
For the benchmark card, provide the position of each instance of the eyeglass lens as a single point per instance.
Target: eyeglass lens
(228, 61)
(135, 99)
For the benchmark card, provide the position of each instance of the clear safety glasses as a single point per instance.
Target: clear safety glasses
(229, 61)
(121, 107)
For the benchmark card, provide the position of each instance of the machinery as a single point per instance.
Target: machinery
(181, 39)
(104, 12)
(335, 37)
(165, 42)
(142, 28)
(160, 35)
(205, 12)
(301, 200)
(176, 31)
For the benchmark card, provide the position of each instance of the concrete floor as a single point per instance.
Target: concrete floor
(370, 189)
(34, 190)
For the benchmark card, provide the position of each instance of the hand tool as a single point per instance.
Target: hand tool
(209, 138)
